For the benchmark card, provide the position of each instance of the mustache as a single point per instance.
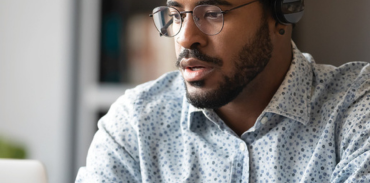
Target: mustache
(195, 53)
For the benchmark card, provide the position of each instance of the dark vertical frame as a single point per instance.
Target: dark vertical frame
(113, 54)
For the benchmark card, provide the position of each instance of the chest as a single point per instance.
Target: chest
(278, 152)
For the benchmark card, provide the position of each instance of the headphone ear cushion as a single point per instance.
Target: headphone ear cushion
(288, 11)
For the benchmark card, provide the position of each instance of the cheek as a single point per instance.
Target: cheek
(226, 48)
(235, 39)
(177, 49)
(230, 42)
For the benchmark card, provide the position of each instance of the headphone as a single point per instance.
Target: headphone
(288, 11)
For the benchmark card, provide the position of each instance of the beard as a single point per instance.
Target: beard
(251, 60)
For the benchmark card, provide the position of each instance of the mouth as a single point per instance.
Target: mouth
(195, 70)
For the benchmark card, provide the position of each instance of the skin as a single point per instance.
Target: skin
(240, 27)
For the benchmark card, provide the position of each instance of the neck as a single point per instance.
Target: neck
(241, 113)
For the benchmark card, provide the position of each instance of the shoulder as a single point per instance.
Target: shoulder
(341, 93)
(349, 80)
(149, 99)
(167, 87)
(346, 73)
(341, 87)
(343, 96)
(141, 108)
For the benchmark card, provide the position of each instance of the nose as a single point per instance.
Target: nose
(190, 34)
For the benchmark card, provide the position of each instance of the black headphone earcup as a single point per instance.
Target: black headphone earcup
(288, 11)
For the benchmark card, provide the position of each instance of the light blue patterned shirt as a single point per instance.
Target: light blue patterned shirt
(316, 128)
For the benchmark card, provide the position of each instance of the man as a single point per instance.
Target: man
(245, 106)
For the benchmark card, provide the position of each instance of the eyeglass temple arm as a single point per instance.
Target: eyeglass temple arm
(164, 28)
(226, 11)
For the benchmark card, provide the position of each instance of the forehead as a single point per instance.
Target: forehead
(182, 3)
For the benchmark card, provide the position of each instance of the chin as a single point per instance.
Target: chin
(199, 87)
(212, 96)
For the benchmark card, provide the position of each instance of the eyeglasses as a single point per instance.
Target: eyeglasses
(208, 18)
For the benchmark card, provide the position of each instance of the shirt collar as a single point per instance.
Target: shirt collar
(210, 114)
(292, 99)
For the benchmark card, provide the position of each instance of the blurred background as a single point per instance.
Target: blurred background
(64, 62)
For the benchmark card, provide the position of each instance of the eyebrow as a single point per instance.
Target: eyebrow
(210, 2)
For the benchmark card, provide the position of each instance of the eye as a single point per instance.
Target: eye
(212, 15)
(176, 17)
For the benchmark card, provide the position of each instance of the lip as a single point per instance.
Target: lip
(195, 70)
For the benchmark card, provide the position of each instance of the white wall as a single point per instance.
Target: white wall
(35, 88)
(335, 32)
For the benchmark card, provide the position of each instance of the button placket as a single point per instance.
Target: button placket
(242, 146)
(240, 162)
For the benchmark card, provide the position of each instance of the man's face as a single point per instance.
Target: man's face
(217, 68)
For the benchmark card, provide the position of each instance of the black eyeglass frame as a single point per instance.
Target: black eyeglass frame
(185, 12)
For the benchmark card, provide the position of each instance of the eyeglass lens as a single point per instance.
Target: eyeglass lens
(208, 18)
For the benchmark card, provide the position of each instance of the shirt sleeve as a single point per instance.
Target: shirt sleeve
(353, 145)
(112, 155)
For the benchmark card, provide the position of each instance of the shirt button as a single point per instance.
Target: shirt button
(242, 146)
(264, 120)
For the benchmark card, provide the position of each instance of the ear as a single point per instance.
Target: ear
(276, 29)
(283, 29)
